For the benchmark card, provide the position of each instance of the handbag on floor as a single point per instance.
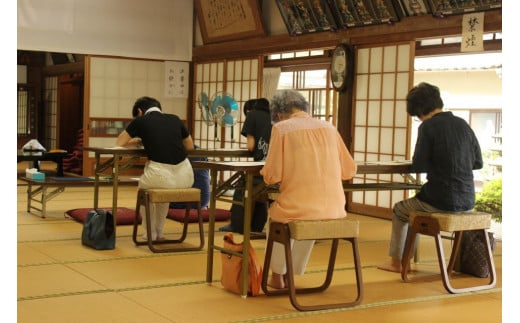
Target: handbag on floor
(232, 268)
(472, 257)
(98, 230)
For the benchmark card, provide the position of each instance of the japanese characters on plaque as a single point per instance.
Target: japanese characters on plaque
(472, 32)
(176, 79)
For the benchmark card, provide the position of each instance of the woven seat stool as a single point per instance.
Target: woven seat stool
(334, 230)
(432, 224)
(162, 195)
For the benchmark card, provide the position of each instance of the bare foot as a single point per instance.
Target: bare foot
(390, 267)
(394, 265)
(276, 281)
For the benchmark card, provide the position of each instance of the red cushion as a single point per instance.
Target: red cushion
(124, 215)
(178, 215)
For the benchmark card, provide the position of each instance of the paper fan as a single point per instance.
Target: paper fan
(224, 109)
(207, 116)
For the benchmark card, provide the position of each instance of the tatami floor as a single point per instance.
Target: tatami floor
(59, 280)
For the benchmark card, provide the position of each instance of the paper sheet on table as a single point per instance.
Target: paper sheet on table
(117, 147)
(387, 162)
(33, 144)
(245, 163)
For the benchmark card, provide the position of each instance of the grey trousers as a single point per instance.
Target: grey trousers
(400, 222)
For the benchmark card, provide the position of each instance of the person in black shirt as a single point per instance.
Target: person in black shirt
(448, 151)
(257, 130)
(166, 141)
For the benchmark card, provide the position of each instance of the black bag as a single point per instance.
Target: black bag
(472, 259)
(259, 217)
(98, 230)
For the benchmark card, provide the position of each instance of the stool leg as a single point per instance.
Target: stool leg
(359, 281)
(357, 266)
(148, 222)
(430, 226)
(457, 242)
(267, 263)
(184, 234)
(144, 199)
(456, 249)
(141, 201)
(407, 254)
(201, 226)
(186, 222)
(136, 220)
(278, 232)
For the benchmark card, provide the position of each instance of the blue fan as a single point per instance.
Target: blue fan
(207, 116)
(224, 109)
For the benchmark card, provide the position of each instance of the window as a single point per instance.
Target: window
(315, 87)
(25, 111)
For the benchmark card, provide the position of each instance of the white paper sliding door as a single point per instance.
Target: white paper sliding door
(381, 126)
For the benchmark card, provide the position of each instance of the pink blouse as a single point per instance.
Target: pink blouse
(309, 159)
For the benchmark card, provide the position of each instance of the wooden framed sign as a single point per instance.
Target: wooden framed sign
(223, 20)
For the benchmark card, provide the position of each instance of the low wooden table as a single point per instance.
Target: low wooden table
(250, 169)
(37, 155)
(42, 191)
(120, 158)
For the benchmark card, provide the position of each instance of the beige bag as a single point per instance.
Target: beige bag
(232, 268)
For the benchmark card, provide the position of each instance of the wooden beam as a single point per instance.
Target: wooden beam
(447, 49)
(410, 28)
(55, 70)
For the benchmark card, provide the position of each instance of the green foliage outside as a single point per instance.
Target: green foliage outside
(490, 199)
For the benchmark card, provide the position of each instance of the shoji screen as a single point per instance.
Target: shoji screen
(240, 79)
(381, 125)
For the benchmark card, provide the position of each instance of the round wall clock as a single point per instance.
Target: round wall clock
(340, 67)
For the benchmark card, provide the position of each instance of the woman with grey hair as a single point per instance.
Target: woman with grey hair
(309, 159)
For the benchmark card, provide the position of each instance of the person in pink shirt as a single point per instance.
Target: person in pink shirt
(309, 160)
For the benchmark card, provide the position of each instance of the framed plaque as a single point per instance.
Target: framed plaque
(415, 7)
(224, 20)
(444, 8)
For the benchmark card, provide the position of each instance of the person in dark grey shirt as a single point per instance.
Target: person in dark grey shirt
(257, 130)
(448, 151)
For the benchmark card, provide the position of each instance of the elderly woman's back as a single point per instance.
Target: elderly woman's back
(309, 160)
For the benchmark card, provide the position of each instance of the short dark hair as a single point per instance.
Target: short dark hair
(423, 99)
(144, 103)
(256, 104)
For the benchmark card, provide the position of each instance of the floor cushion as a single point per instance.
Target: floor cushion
(178, 215)
(125, 216)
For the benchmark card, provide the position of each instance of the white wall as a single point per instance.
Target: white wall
(153, 29)
(465, 89)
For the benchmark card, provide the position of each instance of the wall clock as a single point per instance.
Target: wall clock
(341, 67)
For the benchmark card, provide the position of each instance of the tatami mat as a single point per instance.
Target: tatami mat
(59, 280)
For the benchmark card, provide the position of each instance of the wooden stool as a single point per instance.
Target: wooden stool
(312, 230)
(432, 224)
(147, 196)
